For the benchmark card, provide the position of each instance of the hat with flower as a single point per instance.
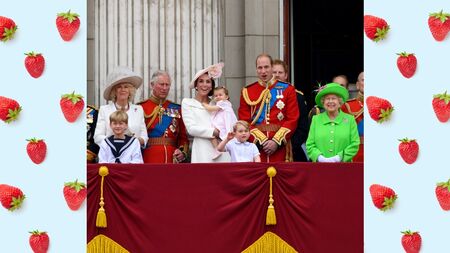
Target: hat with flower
(214, 71)
(331, 88)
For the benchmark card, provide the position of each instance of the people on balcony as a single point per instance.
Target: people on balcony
(270, 107)
(298, 139)
(119, 147)
(121, 86)
(333, 134)
(168, 142)
(198, 120)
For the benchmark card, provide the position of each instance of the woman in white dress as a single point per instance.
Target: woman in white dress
(198, 120)
(122, 84)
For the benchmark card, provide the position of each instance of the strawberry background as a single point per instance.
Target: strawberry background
(416, 207)
(44, 207)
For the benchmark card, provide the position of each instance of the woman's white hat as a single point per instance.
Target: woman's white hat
(121, 75)
(214, 71)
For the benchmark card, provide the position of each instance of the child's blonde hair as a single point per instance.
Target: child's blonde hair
(225, 90)
(241, 123)
(118, 116)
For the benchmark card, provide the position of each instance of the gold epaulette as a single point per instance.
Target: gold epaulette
(250, 84)
(141, 102)
(93, 107)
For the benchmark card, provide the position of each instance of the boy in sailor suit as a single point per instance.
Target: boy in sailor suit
(119, 148)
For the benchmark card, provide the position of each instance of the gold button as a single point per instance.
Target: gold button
(332, 132)
(330, 150)
(332, 124)
(331, 141)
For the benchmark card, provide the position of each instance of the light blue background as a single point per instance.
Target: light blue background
(416, 207)
(65, 71)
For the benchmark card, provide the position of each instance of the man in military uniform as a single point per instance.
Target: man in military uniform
(298, 139)
(168, 142)
(355, 107)
(92, 148)
(270, 106)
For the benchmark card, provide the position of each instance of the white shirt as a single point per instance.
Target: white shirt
(136, 123)
(131, 154)
(241, 151)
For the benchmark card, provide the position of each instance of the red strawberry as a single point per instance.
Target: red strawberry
(75, 194)
(39, 241)
(443, 194)
(379, 108)
(383, 197)
(34, 63)
(439, 24)
(441, 106)
(411, 241)
(36, 149)
(7, 28)
(11, 197)
(9, 109)
(407, 64)
(409, 150)
(71, 105)
(68, 24)
(375, 28)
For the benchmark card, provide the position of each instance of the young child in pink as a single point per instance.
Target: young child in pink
(223, 117)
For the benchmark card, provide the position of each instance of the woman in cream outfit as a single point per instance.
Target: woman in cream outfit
(198, 120)
(120, 91)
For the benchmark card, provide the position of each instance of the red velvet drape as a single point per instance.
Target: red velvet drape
(222, 207)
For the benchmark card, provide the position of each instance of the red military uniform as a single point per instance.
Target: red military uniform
(355, 107)
(272, 112)
(166, 130)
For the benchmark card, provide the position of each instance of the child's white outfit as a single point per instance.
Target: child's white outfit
(224, 119)
(241, 151)
(126, 150)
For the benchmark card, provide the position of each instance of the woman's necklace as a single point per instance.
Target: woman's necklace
(122, 108)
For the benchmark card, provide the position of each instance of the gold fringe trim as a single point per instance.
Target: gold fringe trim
(271, 219)
(104, 244)
(101, 215)
(280, 135)
(270, 243)
(259, 136)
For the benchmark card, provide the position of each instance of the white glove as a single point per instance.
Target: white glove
(335, 159)
(322, 159)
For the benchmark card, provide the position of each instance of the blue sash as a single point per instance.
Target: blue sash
(160, 127)
(279, 86)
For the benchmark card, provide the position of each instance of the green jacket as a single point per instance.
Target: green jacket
(330, 138)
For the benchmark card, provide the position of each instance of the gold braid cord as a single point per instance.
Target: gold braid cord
(280, 135)
(152, 115)
(101, 214)
(259, 136)
(271, 219)
(263, 98)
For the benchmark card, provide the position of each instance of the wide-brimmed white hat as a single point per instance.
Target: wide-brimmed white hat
(214, 71)
(121, 75)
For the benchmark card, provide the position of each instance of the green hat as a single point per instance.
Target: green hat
(331, 88)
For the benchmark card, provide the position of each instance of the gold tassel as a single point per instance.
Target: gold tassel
(101, 215)
(271, 219)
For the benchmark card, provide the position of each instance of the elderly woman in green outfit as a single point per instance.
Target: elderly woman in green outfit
(333, 135)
